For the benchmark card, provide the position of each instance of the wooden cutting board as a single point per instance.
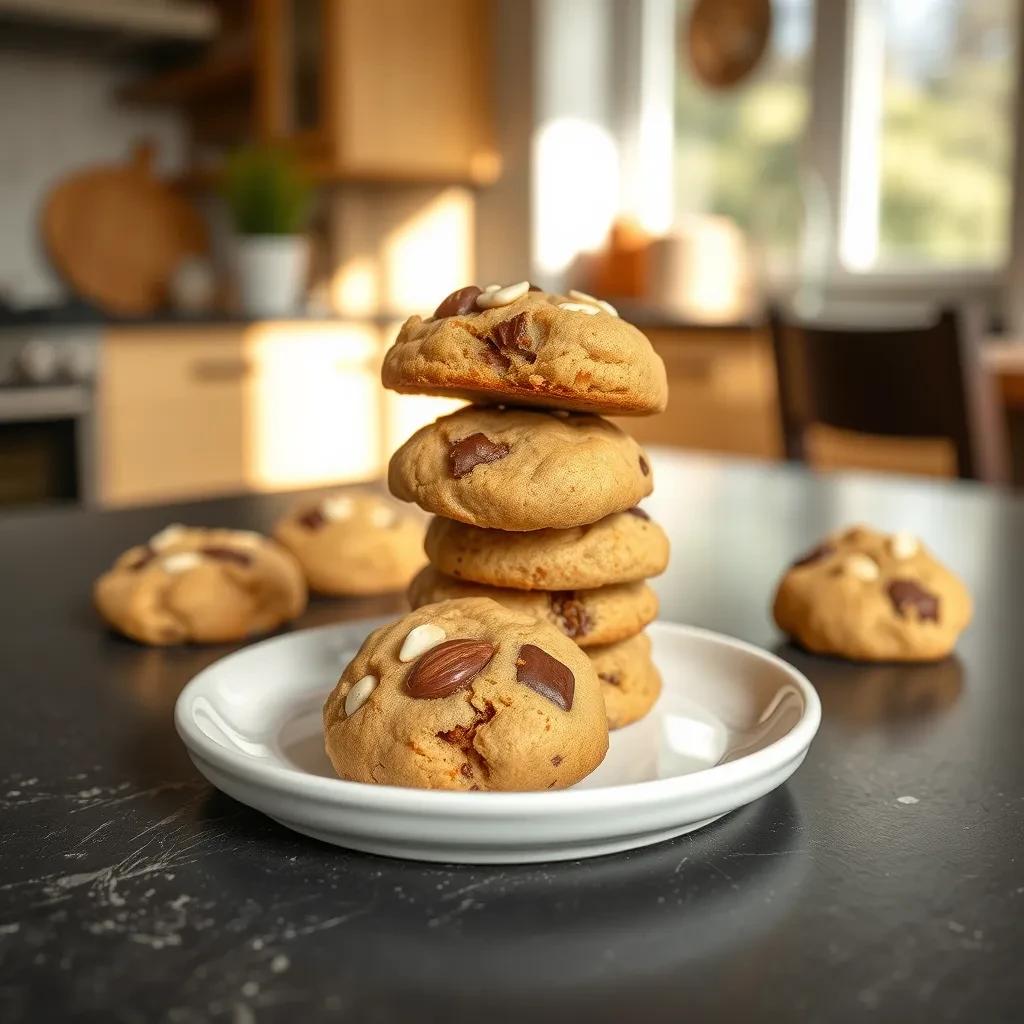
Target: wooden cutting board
(117, 234)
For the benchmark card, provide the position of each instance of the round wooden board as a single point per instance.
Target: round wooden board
(117, 234)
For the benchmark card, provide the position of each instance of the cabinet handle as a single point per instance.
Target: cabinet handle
(223, 369)
(693, 366)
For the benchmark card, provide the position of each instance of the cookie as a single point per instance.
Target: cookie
(590, 617)
(620, 548)
(192, 585)
(528, 347)
(353, 543)
(871, 596)
(520, 470)
(629, 681)
(467, 695)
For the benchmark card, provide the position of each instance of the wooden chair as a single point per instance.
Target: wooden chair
(891, 382)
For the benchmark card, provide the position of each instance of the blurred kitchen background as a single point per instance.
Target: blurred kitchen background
(215, 214)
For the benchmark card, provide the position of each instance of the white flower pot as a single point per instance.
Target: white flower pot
(271, 273)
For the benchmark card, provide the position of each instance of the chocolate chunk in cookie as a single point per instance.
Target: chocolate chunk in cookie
(312, 519)
(511, 338)
(907, 595)
(570, 613)
(547, 676)
(475, 450)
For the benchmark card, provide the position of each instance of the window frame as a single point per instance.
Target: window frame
(823, 149)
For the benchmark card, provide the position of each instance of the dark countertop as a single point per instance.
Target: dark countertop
(883, 882)
(81, 314)
(77, 314)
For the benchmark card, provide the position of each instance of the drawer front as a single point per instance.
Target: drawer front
(721, 394)
(171, 407)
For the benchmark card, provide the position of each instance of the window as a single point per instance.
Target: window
(736, 146)
(913, 101)
(927, 161)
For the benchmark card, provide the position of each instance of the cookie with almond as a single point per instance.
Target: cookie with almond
(865, 595)
(354, 543)
(601, 615)
(524, 346)
(467, 695)
(194, 585)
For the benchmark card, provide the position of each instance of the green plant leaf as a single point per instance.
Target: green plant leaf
(266, 192)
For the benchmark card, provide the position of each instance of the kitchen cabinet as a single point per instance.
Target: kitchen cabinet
(171, 414)
(191, 411)
(362, 90)
(721, 392)
(314, 405)
(393, 89)
(722, 398)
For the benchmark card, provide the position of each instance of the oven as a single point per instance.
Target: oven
(47, 387)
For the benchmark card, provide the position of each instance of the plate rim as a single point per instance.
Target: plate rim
(410, 800)
(548, 803)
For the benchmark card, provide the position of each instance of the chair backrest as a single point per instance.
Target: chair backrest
(912, 382)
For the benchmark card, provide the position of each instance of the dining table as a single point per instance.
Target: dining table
(883, 882)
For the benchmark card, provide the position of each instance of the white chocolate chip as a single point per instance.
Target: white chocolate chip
(491, 287)
(383, 517)
(359, 695)
(337, 506)
(502, 296)
(904, 544)
(863, 567)
(420, 640)
(600, 303)
(579, 307)
(181, 561)
(167, 536)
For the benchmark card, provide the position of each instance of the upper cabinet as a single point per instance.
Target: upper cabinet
(372, 90)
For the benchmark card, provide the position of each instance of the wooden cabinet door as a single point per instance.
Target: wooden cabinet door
(411, 89)
(314, 410)
(294, 102)
(378, 89)
(721, 393)
(171, 413)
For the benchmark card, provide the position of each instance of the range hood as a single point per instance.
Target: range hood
(143, 20)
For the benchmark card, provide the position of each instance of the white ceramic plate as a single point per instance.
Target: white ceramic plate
(733, 722)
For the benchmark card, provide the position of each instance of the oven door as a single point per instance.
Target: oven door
(45, 445)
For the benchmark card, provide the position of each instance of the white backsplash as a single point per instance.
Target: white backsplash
(60, 113)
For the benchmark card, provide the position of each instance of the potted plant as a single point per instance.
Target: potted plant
(268, 198)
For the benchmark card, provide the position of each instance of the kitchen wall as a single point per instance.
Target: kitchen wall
(58, 114)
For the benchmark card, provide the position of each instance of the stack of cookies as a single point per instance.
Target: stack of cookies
(534, 493)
